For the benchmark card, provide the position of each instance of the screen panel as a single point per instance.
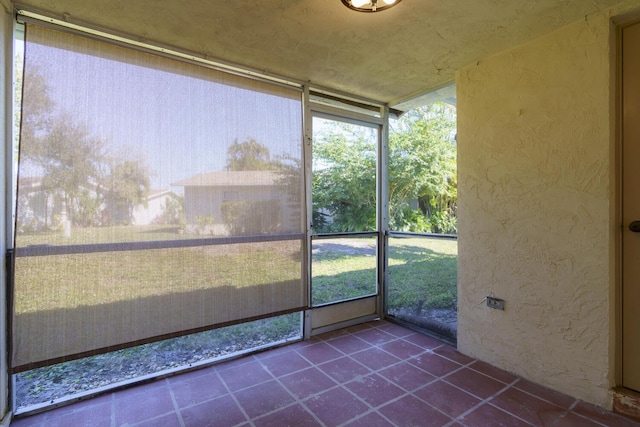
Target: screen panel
(155, 197)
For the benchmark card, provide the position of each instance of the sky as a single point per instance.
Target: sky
(178, 122)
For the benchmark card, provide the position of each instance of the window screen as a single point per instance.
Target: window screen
(125, 231)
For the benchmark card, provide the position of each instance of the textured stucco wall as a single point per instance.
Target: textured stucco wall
(534, 153)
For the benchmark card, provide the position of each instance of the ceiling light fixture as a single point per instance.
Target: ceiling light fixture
(370, 5)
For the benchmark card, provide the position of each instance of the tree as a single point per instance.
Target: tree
(70, 160)
(127, 187)
(422, 169)
(422, 175)
(344, 181)
(35, 114)
(248, 156)
(72, 163)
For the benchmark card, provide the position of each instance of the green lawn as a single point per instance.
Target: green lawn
(422, 272)
(116, 234)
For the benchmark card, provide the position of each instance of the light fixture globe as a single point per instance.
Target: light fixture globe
(370, 5)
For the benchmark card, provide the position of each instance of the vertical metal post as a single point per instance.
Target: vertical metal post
(383, 210)
(307, 173)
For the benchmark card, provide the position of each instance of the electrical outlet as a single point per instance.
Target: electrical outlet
(497, 303)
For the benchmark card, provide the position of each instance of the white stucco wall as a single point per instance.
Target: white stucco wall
(535, 143)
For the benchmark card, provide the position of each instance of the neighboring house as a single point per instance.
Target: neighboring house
(209, 199)
(40, 209)
(37, 209)
(153, 211)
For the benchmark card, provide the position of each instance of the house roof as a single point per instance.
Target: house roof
(230, 178)
(389, 56)
(154, 194)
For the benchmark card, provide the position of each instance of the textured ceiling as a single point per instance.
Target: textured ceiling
(387, 56)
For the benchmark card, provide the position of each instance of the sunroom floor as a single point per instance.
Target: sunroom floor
(375, 374)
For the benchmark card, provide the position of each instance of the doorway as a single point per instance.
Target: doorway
(630, 207)
(344, 230)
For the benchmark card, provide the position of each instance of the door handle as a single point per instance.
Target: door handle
(635, 226)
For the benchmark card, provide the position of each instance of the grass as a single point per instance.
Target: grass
(342, 269)
(69, 281)
(115, 234)
(422, 274)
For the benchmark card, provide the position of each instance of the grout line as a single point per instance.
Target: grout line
(487, 401)
(113, 410)
(175, 403)
(296, 400)
(234, 398)
(406, 391)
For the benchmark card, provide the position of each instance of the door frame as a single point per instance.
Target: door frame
(616, 206)
(339, 315)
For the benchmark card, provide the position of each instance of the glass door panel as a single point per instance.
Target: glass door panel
(343, 268)
(344, 197)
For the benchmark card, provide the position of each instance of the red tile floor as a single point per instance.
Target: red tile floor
(376, 374)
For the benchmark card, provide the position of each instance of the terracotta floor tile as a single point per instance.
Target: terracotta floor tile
(375, 336)
(423, 341)
(370, 420)
(407, 376)
(335, 406)
(529, 408)
(493, 372)
(394, 329)
(263, 398)
(343, 370)
(349, 344)
(375, 359)
(142, 403)
(285, 363)
(105, 399)
(447, 398)
(453, 354)
(401, 348)
(374, 389)
(398, 378)
(434, 364)
(86, 416)
(305, 383)
(409, 411)
(360, 327)
(487, 415)
(243, 376)
(319, 352)
(293, 416)
(602, 416)
(277, 351)
(217, 412)
(169, 420)
(544, 393)
(574, 420)
(475, 383)
(37, 420)
(196, 390)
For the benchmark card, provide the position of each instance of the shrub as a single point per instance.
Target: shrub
(248, 217)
